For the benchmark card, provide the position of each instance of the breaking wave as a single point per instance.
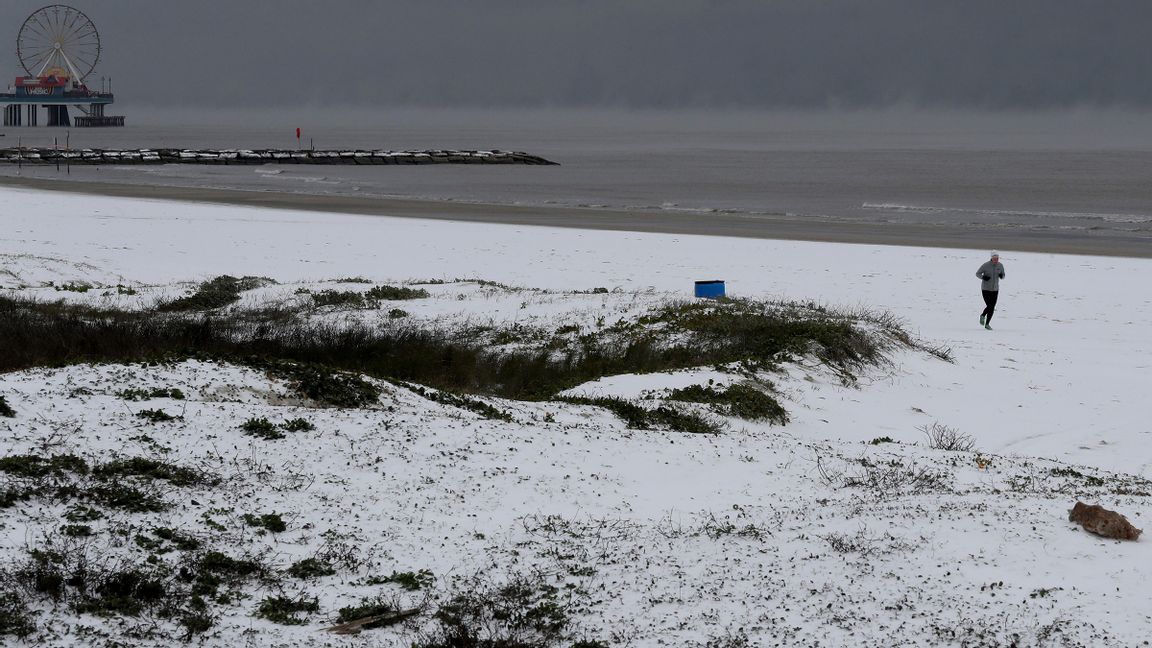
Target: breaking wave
(926, 209)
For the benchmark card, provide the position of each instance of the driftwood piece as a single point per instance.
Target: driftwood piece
(356, 626)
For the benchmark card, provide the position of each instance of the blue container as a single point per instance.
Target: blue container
(710, 289)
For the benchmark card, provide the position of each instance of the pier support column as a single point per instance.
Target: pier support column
(58, 116)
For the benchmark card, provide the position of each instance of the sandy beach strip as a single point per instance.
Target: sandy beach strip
(795, 228)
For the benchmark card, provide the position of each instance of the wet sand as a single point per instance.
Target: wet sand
(782, 227)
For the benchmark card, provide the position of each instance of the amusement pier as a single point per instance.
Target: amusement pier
(58, 47)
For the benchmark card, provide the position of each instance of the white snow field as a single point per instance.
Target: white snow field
(797, 535)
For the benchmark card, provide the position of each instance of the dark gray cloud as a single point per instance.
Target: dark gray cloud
(635, 53)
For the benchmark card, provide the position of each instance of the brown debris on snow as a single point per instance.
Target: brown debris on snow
(375, 621)
(1099, 520)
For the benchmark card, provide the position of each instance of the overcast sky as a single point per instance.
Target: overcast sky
(634, 53)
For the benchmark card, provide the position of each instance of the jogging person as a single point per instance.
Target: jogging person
(990, 275)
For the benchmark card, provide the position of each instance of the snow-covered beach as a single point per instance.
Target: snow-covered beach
(678, 539)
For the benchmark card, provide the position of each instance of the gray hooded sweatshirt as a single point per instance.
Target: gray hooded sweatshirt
(991, 274)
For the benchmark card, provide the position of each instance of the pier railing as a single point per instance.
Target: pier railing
(98, 121)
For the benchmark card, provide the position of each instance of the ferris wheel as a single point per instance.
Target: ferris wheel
(60, 41)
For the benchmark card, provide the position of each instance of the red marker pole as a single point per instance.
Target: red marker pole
(297, 138)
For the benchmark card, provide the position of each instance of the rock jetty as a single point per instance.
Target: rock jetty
(261, 156)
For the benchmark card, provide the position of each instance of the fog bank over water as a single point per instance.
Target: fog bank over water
(985, 54)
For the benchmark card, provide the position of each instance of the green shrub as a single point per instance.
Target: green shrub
(76, 581)
(463, 402)
(333, 388)
(215, 293)
(744, 328)
(324, 360)
(36, 466)
(179, 540)
(82, 514)
(6, 409)
(195, 623)
(268, 521)
(150, 544)
(110, 490)
(297, 425)
(102, 588)
(369, 299)
(209, 571)
(410, 581)
(284, 610)
(374, 607)
(674, 419)
(642, 418)
(126, 593)
(215, 562)
(148, 394)
(74, 286)
(10, 496)
(122, 496)
(156, 415)
(342, 298)
(265, 429)
(310, 568)
(44, 573)
(76, 530)
(1089, 480)
(518, 614)
(395, 293)
(367, 608)
(261, 427)
(15, 619)
(741, 401)
(145, 468)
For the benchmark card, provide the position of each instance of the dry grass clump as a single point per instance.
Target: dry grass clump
(942, 437)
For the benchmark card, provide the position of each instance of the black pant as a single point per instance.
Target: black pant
(989, 304)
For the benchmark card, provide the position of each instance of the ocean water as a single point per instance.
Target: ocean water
(1085, 173)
